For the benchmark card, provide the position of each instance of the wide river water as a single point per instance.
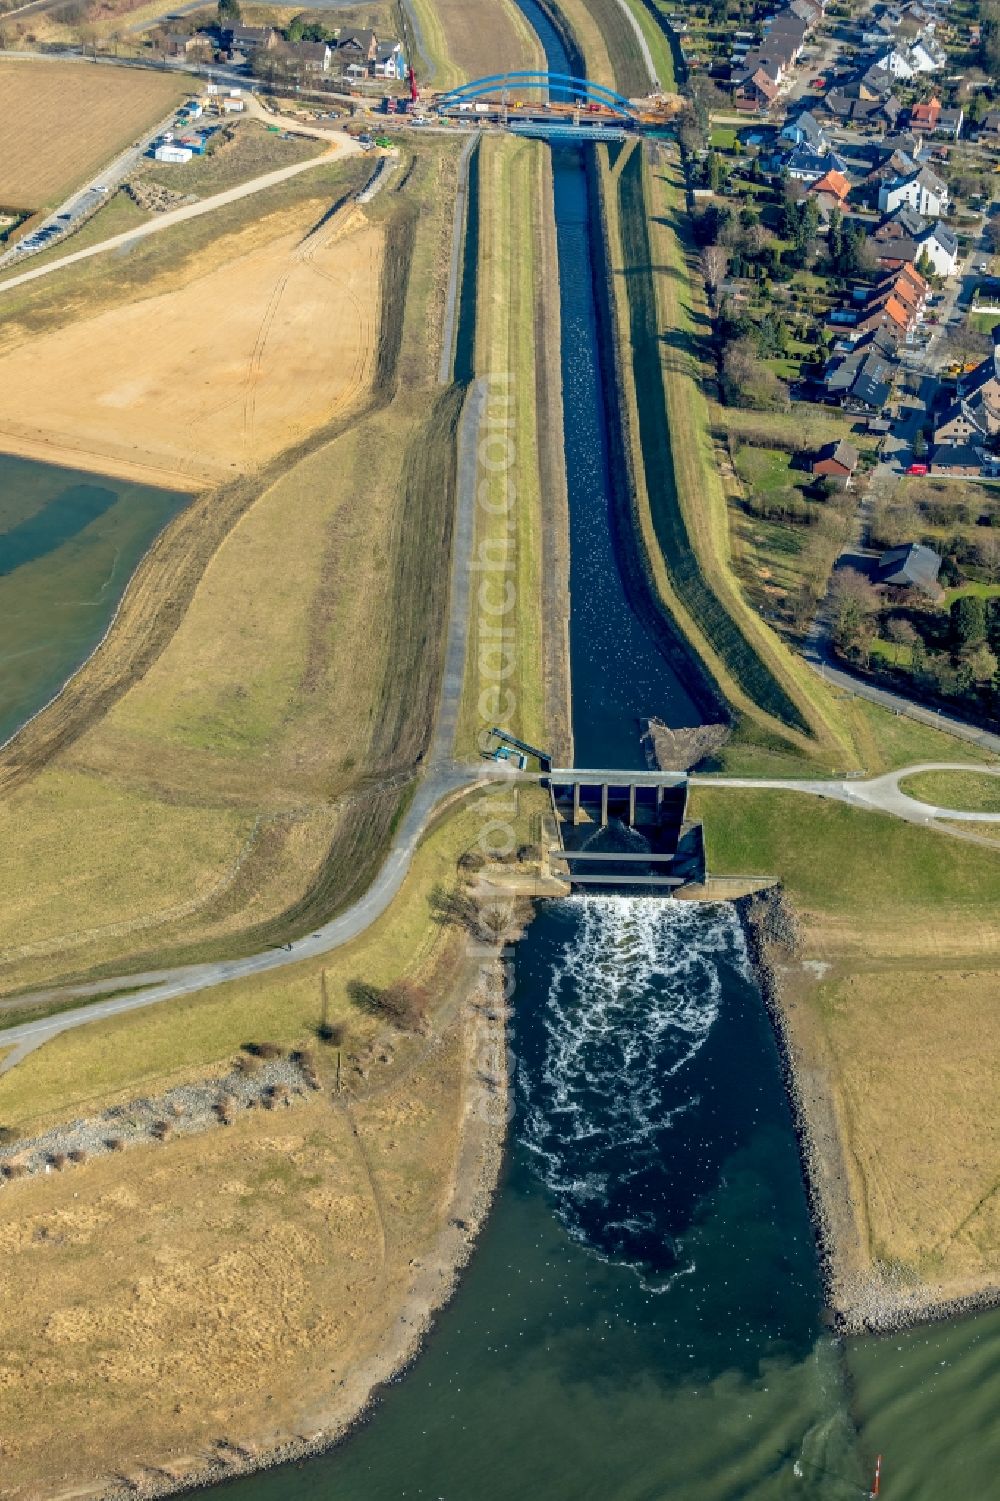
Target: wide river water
(642, 1320)
(69, 543)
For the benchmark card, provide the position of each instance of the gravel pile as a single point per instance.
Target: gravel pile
(255, 1084)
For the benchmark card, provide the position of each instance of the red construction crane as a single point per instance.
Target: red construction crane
(414, 92)
(876, 1489)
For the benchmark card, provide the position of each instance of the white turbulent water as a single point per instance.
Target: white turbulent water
(633, 997)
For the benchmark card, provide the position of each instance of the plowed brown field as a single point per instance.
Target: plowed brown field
(62, 122)
(236, 365)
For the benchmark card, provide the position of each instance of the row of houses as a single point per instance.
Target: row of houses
(355, 54)
(860, 373)
(757, 72)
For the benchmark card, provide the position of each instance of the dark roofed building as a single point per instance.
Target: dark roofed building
(956, 458)
(911, 566)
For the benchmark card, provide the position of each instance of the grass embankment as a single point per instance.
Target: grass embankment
(579, 19)
(964, 791)
(516, 354)
(228, 768)
(62, 122)
(277, 1268)
(473, 41)
(680, 501)
(891, 1012)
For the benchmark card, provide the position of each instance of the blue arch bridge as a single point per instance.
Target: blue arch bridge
(563, 104)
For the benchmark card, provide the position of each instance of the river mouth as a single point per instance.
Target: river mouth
(69, 543)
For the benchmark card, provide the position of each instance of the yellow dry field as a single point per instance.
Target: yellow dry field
(245, 780)
(487, 36)
(233, 1286)
(917, 1064)
(60, 123)
(209, 378)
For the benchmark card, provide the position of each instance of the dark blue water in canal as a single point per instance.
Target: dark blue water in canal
(642, 1318)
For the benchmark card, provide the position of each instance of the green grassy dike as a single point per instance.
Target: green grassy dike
(678, 499)
(515, 296)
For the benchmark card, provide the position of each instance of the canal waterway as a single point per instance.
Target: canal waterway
(69, 543)
(643, 1320)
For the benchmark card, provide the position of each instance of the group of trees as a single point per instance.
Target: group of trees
(957, 658)
(848, 247)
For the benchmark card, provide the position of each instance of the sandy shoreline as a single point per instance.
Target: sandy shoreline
(478, 1166)
(862, 1297)
(18, 446)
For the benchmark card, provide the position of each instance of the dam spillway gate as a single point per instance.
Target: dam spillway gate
(625, 829)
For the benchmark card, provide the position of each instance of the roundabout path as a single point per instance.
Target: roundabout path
(881, 794)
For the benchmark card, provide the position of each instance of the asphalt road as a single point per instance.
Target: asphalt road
(443, 780)
(877, 794)
(345, 146)
(85, 201)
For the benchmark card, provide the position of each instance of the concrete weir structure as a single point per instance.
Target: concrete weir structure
(625, 828)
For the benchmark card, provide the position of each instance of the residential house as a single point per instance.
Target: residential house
(940, 245)
(805, 130)
(830, 191)
(252, 39)
(757, 93)
(905, 62)
(990, 126)
(935, 241)
(860, 377)
(179, 44)
(925, 116)
(389, 60)
(950, 122)
(308, 57)
(956, 459)
(357, 46)
(974, 416)
(850, 106)
(921, 190)
(911, 566)
(905, 223)
(836, 461)
(805, 165)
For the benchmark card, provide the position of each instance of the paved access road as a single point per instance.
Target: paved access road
(878, 794)
(345, 146)
(443, 781)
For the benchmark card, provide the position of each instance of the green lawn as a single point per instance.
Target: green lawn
(767, 470)
(983, 591)
(724, 137)
(983, 323)
(895, 654)
(843, 860)
(963, 791)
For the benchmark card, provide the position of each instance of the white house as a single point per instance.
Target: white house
(940, 245)
(389, 60)
(921, 191)
(922, 56)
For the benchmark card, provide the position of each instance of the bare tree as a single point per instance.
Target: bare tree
(900, 633)
(714, 263)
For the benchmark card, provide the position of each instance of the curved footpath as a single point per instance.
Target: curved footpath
(878, 794)
(342, 145)
(443, 780)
